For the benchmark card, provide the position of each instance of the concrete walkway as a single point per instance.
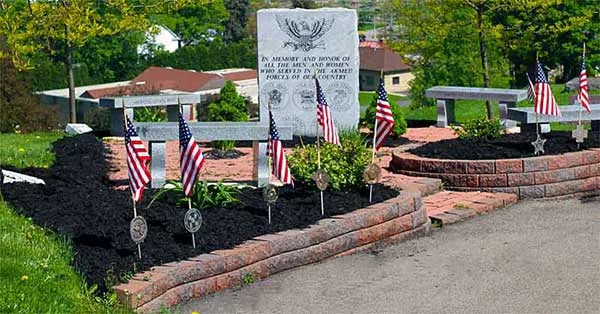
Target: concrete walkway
(533, 257)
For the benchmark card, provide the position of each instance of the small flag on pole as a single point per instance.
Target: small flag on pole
(276, 152)
(530, 89)
(385, 119)
(583, 97)
(138, 160)
(190, 157)
(324, 117)
(544, 100)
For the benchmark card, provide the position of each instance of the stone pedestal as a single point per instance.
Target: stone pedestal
(445, 111)
(158, 172)
(260, 171)
(116, 120)
(503, 109)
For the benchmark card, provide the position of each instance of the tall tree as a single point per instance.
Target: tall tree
(238, 18)
(34, 26)
(303, 4)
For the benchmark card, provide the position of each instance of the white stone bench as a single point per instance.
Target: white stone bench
(158, 133)
(169, 101)
(526, 116)
(446, 95)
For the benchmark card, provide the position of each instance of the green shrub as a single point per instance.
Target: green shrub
(230, 107)
(480, 129)
(344, 165)
(399, 121)
(206, 195)
(19, 109)
(149, 114)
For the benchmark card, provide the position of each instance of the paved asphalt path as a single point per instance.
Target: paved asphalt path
(533, 257)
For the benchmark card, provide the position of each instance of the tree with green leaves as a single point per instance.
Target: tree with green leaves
(238, 18)
(303, 4)
(33, 27)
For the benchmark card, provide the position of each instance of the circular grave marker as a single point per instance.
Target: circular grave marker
(138, 229)
(270, 194)
(192, 220)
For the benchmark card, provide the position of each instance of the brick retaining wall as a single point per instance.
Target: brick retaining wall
(392, 221)
(532, 177)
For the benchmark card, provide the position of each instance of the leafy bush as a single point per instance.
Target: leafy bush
(399, 121)
(344, 165)
(149, 114)
(19, 110)
(230, 107)
(205, 195)
(480, 129)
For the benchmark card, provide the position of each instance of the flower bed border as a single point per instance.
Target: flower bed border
(391, 221)
(530, 177)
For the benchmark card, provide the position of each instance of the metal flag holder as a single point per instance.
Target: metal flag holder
(270, 191)
(192, 220)
(372, 173)
(539, 142)
(320, 176)
(580, 133)
(138, 228)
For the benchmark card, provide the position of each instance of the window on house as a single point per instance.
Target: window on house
(396, 80)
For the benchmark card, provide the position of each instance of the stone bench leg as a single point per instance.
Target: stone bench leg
(503, 108)
(158, 165)
(116, 120)
(445, 110)
(172, 112)
(530, 128)
(260, 172)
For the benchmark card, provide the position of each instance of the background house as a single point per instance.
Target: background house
(375, 57)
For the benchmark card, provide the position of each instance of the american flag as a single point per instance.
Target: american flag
(325, 119)
(190, 157)
(530, 89)
(544, 100)
(583, 98)
(137, 161)
(385, 119)
(275, 151)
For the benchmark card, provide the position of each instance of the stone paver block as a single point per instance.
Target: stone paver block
(462, 180)
(419, 217)
(520, 179)
(558, 162)
(493, 180)
(590, 157)
(563, 188)
(445, 218)
(509, 165)
(481, 167)
(554, 176)
(535, 164)
(532, 191)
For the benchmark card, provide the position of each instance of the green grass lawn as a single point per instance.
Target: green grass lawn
(36, 265)
(27, 150)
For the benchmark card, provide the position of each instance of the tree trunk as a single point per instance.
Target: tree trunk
(69, 64)
(484, 62)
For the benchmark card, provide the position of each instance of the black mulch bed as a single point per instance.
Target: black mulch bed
(223, 154)
(508, 146)
(77, 201)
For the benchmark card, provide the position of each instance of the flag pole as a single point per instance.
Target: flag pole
(319, 148)
(132, 199)
(537, 125)
(578, 98)
(269, 159)
(374, 140)
(179, 109)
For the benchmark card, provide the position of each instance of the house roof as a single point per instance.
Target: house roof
(155, 80)
(376, 59)
(182, 80)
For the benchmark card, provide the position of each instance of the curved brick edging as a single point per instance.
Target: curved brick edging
(532, 177)
(391, 221)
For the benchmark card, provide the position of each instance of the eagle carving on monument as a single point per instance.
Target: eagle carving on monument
(304, 35)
